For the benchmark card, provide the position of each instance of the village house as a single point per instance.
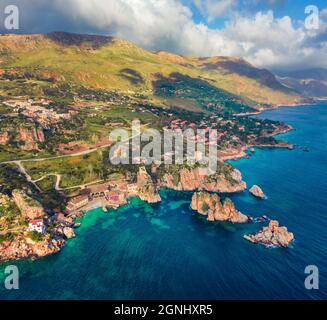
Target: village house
(36, 226)
(115, 197)
(77, 203)
(116, 124)
(98, 191)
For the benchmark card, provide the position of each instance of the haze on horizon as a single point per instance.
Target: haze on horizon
(268, 33)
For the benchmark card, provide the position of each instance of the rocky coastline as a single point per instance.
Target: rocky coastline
(241, 152)
(194, 180)
(210, 205)
(187, 179)
(24, 247)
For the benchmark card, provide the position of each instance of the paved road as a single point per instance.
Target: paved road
(81, 153)
(22, 169)
(58, 176)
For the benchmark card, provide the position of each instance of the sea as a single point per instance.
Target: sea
(167, 251)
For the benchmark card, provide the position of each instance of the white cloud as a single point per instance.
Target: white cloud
(323, 13)
(168, 25)
(212, 9)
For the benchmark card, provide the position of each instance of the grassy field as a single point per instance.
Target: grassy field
(48, 183)
(74, 171)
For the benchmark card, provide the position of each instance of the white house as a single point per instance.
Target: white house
(36, 225)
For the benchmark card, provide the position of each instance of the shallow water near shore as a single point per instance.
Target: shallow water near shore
(166, 251)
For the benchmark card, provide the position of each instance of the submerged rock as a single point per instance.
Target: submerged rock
(257, 192)
(211, 206)
(273, 235)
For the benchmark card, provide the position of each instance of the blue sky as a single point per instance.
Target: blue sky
(267, 33)
(281, 8)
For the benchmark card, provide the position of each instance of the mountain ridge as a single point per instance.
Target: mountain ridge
(311, 82)
(97, 61)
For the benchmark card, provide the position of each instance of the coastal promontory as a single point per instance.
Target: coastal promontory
(227, 179)
(211, 206)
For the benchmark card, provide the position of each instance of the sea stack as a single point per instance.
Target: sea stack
(257, 192)
(272, 236)
(147, 190)
(211, 206)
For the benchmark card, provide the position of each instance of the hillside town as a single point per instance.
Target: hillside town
(108, 195)
(38, 110)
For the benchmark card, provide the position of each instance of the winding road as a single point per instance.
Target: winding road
(22, 169)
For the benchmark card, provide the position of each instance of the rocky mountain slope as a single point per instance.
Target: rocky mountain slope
(111, 63)
(311, 82)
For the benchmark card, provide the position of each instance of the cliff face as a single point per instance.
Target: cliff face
(192, 179)
(147, 191)
(29, 207)
(4, 138)
(31, 138)
(21, 246)
(210, 205)
(273, 235)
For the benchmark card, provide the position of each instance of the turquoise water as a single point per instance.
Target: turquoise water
(166, 251)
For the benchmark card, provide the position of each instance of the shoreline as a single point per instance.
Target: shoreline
(316, 102)
(239, 154)
(242, 153)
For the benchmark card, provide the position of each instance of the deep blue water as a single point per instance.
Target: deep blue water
(166, 251)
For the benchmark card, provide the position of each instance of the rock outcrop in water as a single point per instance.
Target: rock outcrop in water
(69, 232)
(273, 235)
(257, 192)
(147, 191)
(188, 179)
(210, 205)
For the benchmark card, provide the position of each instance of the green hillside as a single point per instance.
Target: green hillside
(53, 61)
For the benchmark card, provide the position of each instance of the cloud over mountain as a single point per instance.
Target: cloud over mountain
(169, 25)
